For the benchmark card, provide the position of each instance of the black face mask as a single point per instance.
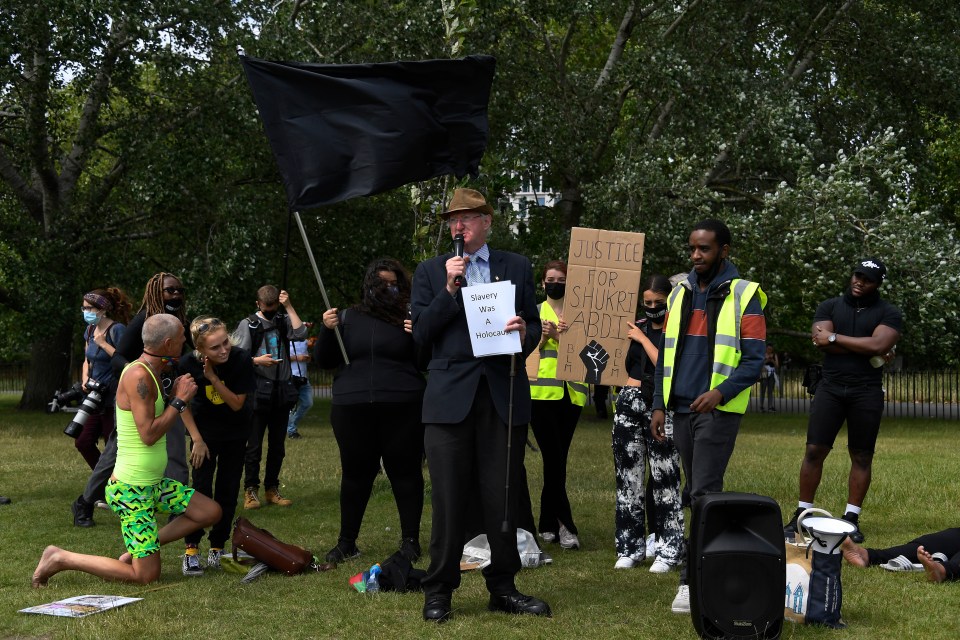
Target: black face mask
(173, 305)
(655, 313)
(555, 290)
(269, 315)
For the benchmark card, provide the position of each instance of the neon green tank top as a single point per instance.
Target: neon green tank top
(137, 463)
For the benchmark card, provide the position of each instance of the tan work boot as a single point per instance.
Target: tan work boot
(250, 499)
(273, 497)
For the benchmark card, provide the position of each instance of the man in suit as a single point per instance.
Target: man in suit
(465, 409)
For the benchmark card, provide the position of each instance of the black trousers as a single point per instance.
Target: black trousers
(366, 433)
(553, 423)
(271, 421)
(946, 542)
(226, 463)
(468, 466)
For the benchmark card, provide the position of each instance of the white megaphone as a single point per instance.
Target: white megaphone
(827, 533)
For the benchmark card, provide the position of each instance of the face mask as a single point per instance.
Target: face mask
(91, 317)
(555, 290)
(173, 305)
(269, 315)
(656, 312)
(393, 290)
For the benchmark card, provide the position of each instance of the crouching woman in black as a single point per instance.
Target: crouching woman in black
(224, 376)
(377, 402)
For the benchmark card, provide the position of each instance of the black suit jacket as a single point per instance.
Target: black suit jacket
(440, 324)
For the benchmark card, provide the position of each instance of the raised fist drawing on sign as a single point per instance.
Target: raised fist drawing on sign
(595, 357)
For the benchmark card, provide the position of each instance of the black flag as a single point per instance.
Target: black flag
(344, 130)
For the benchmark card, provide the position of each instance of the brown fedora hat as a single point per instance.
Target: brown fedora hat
(467, 200)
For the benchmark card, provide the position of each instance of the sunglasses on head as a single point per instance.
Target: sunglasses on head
(209, 326)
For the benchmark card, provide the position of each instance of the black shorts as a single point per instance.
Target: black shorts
(860, 407)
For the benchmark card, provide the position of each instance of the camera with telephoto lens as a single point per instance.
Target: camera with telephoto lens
(90, 404)
(63, 399)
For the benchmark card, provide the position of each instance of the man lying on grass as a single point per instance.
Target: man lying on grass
(137, 490)
(937, 553)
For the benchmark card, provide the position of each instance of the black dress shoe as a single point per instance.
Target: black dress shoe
(437, 609)
(516, 602)
(4, 500)
(82, 513)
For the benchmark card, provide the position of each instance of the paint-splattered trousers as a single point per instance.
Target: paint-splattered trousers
(633, 445)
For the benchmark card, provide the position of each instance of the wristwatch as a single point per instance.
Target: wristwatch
(178, 404)
(832, 338)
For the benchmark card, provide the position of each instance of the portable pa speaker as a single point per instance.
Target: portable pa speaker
(737, 566)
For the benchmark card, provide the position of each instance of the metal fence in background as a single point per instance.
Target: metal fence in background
(13, 378)
(913, 394)
(909, 394)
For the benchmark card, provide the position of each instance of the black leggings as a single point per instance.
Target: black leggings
(946, 542)
(226, 463)
(366, 433)
(553, 423)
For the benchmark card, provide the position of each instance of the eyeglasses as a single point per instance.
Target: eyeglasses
(209, 326)
(174, 290)
(453, 221)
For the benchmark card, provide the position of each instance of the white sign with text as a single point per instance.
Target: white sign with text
(488, 308)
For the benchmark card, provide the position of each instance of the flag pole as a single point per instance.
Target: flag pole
(323, 290)
(286, 252)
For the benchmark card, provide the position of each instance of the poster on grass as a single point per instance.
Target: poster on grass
(80, 606)
(602, 294)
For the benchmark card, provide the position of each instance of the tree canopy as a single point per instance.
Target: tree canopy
(820, 130)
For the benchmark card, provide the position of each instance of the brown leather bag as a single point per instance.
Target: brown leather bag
(262, 545)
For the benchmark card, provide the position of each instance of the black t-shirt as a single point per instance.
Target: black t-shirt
(858, 319)
(639, 366)
(215, 418)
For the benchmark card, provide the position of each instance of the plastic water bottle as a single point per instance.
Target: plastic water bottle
(373, 582)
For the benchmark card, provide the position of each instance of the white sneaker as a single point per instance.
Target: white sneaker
(660, 566)
(625, 562)
(191, 565)
(568, 540)
(681, 604)
(213, 558)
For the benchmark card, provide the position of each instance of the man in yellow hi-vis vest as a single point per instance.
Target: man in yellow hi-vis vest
(712, 353)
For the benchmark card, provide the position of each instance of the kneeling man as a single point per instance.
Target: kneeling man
(137, 490)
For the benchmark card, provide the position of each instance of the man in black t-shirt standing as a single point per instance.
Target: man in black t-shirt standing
(857, 333)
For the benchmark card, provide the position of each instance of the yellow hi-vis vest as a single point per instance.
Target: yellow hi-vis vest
(726, 346)
(547, 387)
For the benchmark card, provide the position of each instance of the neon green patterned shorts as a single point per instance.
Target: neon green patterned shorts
(137, 507)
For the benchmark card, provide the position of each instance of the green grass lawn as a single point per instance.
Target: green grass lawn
(915, 490)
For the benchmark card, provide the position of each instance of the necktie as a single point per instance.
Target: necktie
(474, 276)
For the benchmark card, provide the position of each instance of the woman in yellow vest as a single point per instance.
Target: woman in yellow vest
(555, 412)
(633, 444)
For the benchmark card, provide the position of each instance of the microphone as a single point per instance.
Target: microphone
(458, 251)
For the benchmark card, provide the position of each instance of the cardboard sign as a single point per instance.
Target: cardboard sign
(488, 308)
(602, 294)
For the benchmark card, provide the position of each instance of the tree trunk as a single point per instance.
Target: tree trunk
(49, 369)
(571, 205)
